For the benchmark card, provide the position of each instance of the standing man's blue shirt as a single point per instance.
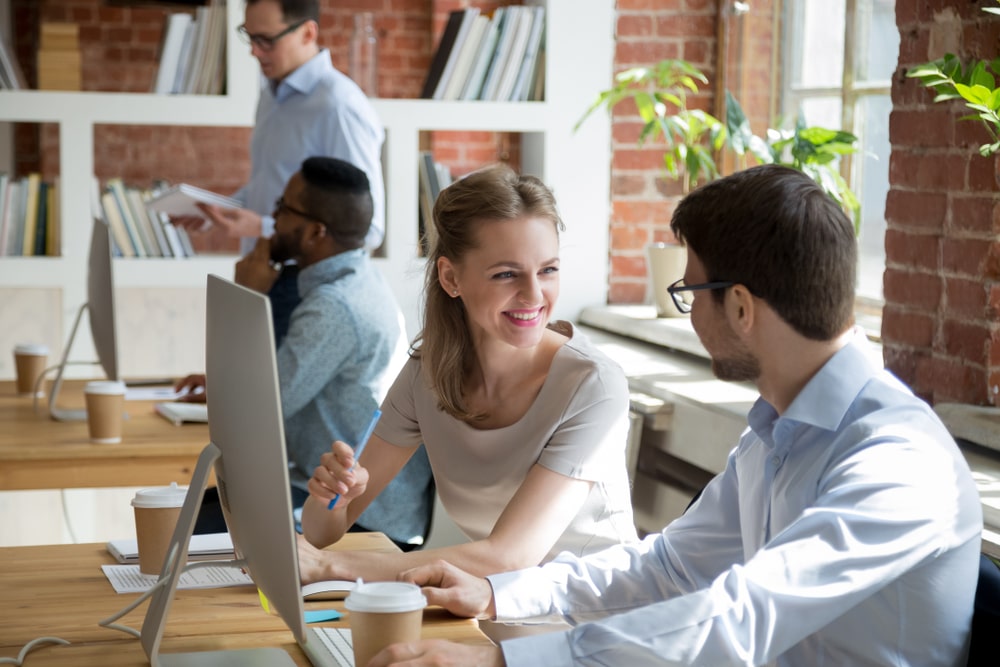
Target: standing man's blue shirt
(315, 110)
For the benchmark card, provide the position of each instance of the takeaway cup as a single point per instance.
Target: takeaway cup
(29, 362)
(383, 613)
(105, 405)
(156, 512)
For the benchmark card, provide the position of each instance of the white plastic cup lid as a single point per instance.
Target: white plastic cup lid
(104, 387)
(31, 348)
(161, 496)
(385, 597)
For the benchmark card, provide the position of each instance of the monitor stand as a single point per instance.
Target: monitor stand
(173, 565)
(55, 412)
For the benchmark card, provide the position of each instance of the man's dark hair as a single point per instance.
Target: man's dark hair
(338, 193)
(775, 231)
(296, 10)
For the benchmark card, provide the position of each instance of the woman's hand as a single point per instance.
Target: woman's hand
(318, 565)
(338, 473)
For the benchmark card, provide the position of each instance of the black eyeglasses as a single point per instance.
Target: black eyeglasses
(280, 207)
(677, 289)
(266, 42)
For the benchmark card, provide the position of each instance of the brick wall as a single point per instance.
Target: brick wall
(942, 295)
(642, 198)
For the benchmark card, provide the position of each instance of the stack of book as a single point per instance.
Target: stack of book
(59, 57)
(193, 52)
(29, 217)
(433, 178)
(11, 76)
(498, 58)
(137, 230)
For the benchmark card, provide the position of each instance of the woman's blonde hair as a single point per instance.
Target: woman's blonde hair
(492, 194)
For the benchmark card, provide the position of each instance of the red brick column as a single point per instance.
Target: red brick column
(942, 295)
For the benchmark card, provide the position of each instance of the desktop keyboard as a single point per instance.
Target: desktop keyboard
(329, 647)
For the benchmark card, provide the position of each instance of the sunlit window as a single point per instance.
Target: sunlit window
(840, 56)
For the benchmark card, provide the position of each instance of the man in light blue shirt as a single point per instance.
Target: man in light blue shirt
(846, 527)
(306, 108)
(346, 341)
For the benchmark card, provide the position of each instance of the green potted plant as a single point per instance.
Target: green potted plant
(815, 151)
(691, 140)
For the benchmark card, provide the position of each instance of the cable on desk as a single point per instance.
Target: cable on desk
(30, 646)
(109, 622)
(41, 378)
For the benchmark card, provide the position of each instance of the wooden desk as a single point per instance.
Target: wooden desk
(60, 590)
(38, 453)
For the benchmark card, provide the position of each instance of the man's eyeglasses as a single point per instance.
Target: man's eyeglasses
(678, 288)
(266, 42)
(281, 207)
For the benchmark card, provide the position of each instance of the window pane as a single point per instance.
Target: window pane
(870, 183)
(877, 40)
(817, 57)
(819, 112)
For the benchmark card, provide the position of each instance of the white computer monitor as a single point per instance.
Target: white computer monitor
(100, 306)
(251, 469)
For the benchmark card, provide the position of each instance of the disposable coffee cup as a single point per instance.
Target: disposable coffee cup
(383, 613)
(29, 363)
(156, 512)
(105, 404)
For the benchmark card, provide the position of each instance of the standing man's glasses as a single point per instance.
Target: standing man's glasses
(678, 288)
(266, 42)
(280, 207)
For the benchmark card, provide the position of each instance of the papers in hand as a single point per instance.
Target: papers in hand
(181, 200)
(178, 413)
(210, 546)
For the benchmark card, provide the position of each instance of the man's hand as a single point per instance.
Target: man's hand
(238, 222)
(194, 385)
(256, 270)
(456, 590)
(438, 653)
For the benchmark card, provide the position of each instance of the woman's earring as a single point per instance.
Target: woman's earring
(454, 292)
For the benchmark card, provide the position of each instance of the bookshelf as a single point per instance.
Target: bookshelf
(161, 301)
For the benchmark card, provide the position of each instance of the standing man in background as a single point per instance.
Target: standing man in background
(306, 108)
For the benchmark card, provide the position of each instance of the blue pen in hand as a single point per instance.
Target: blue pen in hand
(360, 447)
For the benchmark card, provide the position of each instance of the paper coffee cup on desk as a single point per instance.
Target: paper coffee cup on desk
(105, 405)
(29, 362)
(156, 513)
(383, 613)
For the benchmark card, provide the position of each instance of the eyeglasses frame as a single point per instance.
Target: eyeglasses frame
(281, 205)
(682, 305)
(266, 42)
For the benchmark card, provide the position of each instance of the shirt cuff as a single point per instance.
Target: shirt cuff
(551, 649)
(266, 226)
(521, 595)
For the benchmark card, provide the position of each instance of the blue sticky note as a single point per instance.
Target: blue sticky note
(320, 615)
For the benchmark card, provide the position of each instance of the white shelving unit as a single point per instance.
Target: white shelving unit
(161, 302)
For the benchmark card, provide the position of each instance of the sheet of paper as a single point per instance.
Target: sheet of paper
(128, 579)
(164, 393)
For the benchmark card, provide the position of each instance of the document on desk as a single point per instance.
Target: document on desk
(128, 579)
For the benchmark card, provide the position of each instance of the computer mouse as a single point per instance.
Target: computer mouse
(335, 589)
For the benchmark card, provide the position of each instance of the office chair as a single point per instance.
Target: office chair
(983, 648)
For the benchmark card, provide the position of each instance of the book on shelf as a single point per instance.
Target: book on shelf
(487, 45)
(466, 56)
(507, 28)
(192, 52)
(432, 178)
(29, 222)
(512, 66)
(171, 50)
(53, 228)
(522, 84)
(11, 75)
(468, 17)
(441, 55)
